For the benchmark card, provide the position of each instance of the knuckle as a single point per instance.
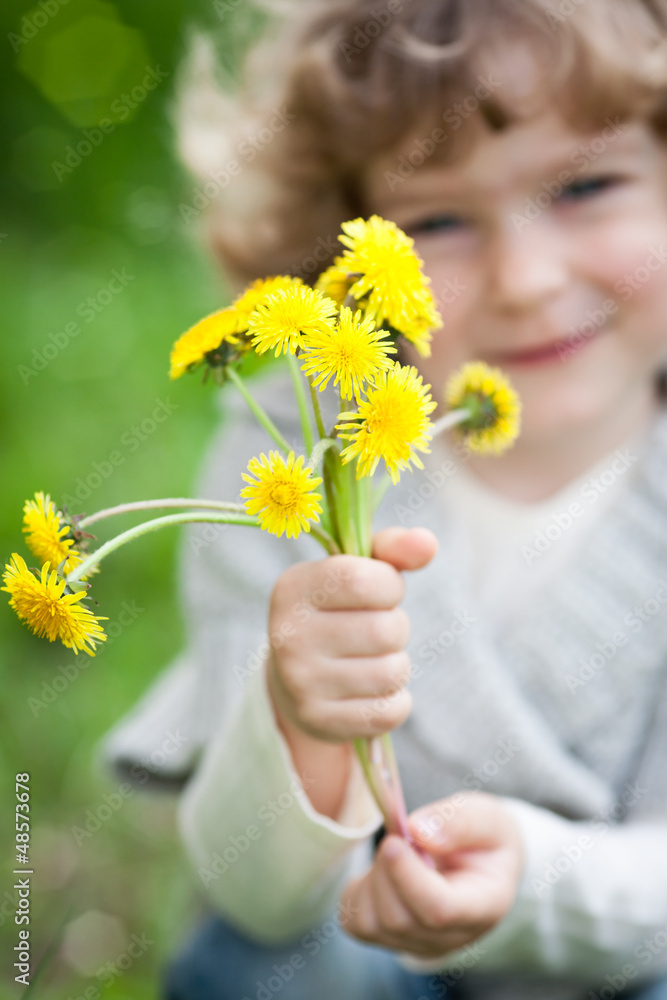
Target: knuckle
(365, 927)
(361, 581)
(309, 714)
(296, 680)
(388, 630)
(388, 713)
(395, 673)
(403, 668)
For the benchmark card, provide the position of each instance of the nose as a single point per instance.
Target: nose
(527, 266)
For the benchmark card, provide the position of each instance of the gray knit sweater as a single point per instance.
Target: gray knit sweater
(547, 706)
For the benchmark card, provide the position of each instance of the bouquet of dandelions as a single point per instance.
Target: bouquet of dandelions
(345, 328)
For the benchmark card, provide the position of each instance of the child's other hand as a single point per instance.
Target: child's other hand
(401, 903)
(338, 667)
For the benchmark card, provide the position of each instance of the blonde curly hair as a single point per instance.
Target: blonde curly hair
(278, 156)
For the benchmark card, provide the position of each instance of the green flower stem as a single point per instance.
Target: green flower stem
(263, 417)
(450, 419)
(362, 748)
(345, 504)
(328, 465)
(155, 525)
(126, 508)
(326, 540)
(317, 410)
(301, 402)
(318, 451)
(380, 490)
(233, 517)
(362, 488)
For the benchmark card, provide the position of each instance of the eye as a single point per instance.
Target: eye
(434, 224)
(579, 190)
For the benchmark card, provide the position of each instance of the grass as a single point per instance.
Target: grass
(61, 425)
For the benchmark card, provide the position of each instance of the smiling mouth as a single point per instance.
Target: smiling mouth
(555, 350)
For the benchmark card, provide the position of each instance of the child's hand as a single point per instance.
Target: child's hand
(401, 903)
(338, 667)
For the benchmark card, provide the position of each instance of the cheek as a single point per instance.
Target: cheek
(628, 257)
(453, 287)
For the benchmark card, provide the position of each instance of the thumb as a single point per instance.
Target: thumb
(405, 548)
(467, 820)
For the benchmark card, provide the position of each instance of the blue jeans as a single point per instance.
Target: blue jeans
(219, 963)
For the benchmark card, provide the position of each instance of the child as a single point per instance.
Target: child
(521, 144)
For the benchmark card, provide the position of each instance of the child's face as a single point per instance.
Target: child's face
(547, 252)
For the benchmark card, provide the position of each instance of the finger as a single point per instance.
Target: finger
(367, 898)
(364, 677)
(358, 717)
(368, 920)
(363, 633)
(423, 891)
(397, 923)
(468, 820)
(405, 548)
(468, 900)
(341, 582)
(357, 901)
(394, 918)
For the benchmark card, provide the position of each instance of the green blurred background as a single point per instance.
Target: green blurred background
(71, 215)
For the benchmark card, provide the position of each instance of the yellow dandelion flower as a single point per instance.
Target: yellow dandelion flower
(284, 318)
(392, 287)
(46, 537)
(334, 281)
(209, 334)
(42, 603)
(495, 408)
(420, 335)
(281, 494)
(391, 423)
(354, 351)
(257, 292)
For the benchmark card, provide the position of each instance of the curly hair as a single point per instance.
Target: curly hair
(330, 84)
